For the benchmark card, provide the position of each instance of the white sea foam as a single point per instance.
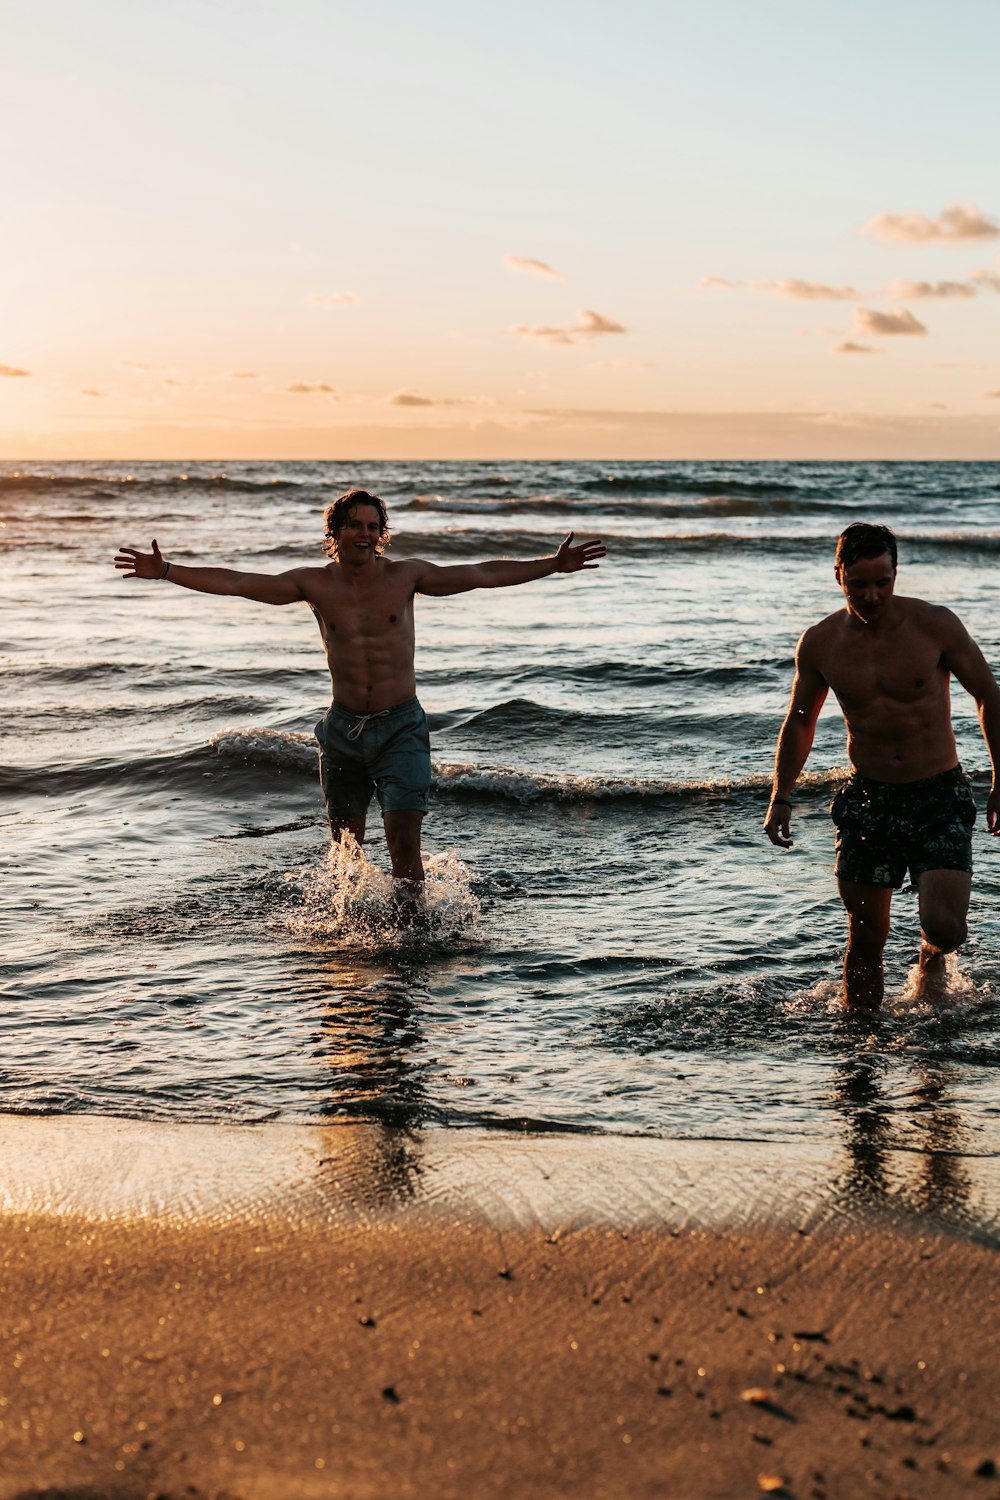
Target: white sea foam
(532, 786)
(268, 747)
(296, 751)
(354, 901)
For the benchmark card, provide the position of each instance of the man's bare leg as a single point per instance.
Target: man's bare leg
(867, 909)
(943, 897)
(402, 836)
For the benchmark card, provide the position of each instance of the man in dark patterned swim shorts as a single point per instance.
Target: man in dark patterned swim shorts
(885, 828)
(908, 805)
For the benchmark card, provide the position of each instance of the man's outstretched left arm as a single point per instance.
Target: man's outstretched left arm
(504, 573)
(968, 664)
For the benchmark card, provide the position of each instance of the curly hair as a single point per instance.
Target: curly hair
(336, 514)
(861, 539)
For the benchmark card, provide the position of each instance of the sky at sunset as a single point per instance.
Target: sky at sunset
(345, 230)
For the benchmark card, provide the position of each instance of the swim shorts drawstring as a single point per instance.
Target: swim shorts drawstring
(356, 731)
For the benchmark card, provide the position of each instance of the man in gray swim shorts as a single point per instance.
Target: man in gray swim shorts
(375, 734)
(908, 805)
(388, 753)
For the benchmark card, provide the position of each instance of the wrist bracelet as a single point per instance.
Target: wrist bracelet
(165, 570)
(780, 802)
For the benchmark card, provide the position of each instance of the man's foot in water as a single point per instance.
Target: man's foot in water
(411, 906)
(932, 973)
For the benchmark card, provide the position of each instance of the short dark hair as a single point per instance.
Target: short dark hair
(336, 514)
(862, 539)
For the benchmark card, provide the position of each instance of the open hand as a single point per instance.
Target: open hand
(570, 559)
(993, 811)
(133, 564)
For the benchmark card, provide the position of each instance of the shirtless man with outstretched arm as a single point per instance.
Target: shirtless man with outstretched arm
(889, 661)
(375, 734)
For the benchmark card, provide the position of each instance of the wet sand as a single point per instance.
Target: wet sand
(284, 1311)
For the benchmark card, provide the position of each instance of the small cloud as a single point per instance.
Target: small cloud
(912, 291)
(992, 395)
(868, 320)
(13, 373)
(591, 325)
(410, 398)
(135, 364)
(547, 335)
(849, 421)
(527, 266)
(167, 381)
(846, 346)
(959, 221)
(339, 299)
(243, 375)
(89, 391)
(594, 323)
(807, 291)
(788, 286)
(986, 279)
(299, 388)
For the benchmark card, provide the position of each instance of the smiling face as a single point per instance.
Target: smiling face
(359, 533)
(341, 515)
(867, 583)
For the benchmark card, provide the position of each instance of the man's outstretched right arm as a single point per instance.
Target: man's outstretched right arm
(460, 578)
(795, 740)
(265, 588)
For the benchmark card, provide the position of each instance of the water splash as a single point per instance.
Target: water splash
(957, 992)
(352, 900)
(825, 996)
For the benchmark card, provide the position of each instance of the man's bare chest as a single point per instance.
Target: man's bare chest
(901, 669)
(352, 614)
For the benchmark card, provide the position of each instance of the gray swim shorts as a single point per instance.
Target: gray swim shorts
(885, 827)
(388, 753)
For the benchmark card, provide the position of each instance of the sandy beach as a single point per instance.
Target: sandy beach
(285, 1311)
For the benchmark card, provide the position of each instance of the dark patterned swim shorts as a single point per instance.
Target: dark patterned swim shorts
(885, 827)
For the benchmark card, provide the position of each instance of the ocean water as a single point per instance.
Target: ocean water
(615, 946)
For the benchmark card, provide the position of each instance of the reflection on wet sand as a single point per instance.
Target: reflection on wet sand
(917, 1166)
(369, 1042)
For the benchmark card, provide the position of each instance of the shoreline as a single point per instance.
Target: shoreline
(260, 1312)
(324, 1172)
